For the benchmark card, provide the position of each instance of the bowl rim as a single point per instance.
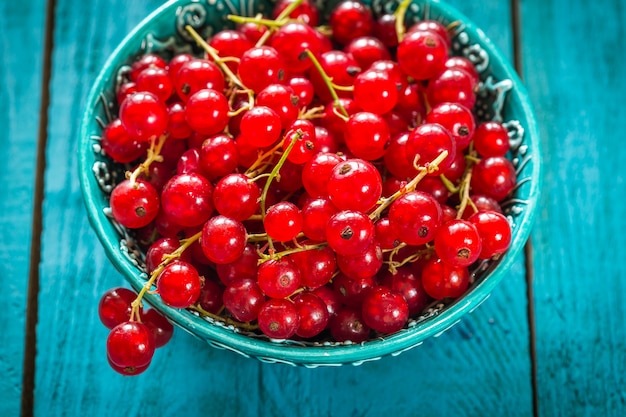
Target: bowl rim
(271, 351)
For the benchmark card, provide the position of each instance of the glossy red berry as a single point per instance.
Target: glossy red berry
(283, 221)
(115, 306)
(349, 232)
(367, 135)
(354, 184)
(130, 344)
(442, 280)
(188, 199)
(179, 284)
(278, 278)
(162, 329)
(235, 196)
(458, 243)
(422, 54)
(494, 231)
(348, 325)
(384, 310)
(223, 239)
(261, 66)
(415, 217)
(206, 112)
(427, 142)
(144, 116)
(278, 318)
(134, 204)
(494, 176)
(313, 314)
(349, 20)
(491, 139)
(243, 298)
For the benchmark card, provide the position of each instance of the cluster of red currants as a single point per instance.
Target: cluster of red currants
(312, 182)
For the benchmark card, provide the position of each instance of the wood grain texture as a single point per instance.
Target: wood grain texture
(480, 367)
(574, 69)
(21, 43)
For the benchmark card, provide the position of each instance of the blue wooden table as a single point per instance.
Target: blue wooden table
(550, 341)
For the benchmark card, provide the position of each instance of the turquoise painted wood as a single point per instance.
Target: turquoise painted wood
(574, 67)
(21, 43)
(481, 366)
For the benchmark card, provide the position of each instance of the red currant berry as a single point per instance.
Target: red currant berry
(278, 278)
(115, 306)
(452, 86)
(211, 297)
(458, 243)
(292, 40)
(384, 311)
(316, 173)
(130, 344)
(305, 12)
(198, 74)
(407, 282)
(143, 116)
(283, 221)
(367, 135)
(317, 266)
(187, 199)
(457, 119)
(278, 318)
(349, 232)
(207, 112)
(315, 215)
(223, 239)
(494, 176)
(348, 325)
(313, 314)
(415, 217)
(179, 284)
(243, 298)
(422, 54)
(119, 145)
(156, 81)
(427, 142)
(178, 127)
(261, 66)
(441, 280)
(218, 156)
(260, 126)
(244, 267)
(283, 100)
(146, 61)
(491, 139)
(349, 20)
(366, 50)
(354, 184)
(362, 265)
(162, 329)
(134, 205)
(494, 231)
(235, 196)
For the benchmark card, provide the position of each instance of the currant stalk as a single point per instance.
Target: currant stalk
(410, 186)
(153, 155)
(331, 87)
(212, 52)
(167, 259)
(296, 136)
(400, 13)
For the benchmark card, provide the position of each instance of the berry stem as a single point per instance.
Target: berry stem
(212, 52)
(329, 83)
(301, 248)
(262, 157)
(296, 136)
(167, 259)
(258, 20)
(282, 17)
(423, 171)
(154, 154)
(400, 14)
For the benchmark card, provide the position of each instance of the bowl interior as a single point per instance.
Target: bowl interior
(502, 97)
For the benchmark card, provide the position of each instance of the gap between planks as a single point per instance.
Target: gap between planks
(30, 345)
(528, 248)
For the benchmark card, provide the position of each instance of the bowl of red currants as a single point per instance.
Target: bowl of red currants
(305, 182)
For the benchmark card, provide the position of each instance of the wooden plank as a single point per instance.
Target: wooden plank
(21, 42)
(480, 367)
(575, 74)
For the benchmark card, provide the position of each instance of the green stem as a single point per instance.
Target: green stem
(153, 155)
(296, 136)
(167, 259)
(400, 13)
(423, 171)
(329, 83)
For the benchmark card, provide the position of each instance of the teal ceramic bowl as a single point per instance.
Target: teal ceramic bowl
(502, 97)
